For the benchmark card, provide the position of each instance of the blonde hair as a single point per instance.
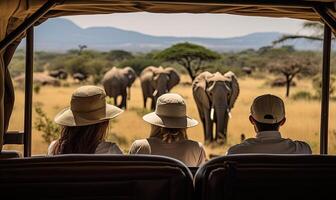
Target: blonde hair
(169, 135)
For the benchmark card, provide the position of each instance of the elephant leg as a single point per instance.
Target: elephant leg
(202, 117)
(153, 104)
(123, 103)
(208, 127)
(145, 102)
(115, 101)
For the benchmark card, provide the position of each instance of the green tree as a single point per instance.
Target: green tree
(119, 55)
(140, 63)
(290, 66)
(191, 56)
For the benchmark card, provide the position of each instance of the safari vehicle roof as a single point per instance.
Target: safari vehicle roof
(16, 16)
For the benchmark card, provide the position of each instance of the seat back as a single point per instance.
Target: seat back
(267, 177)
(5, 154)
(95, 177)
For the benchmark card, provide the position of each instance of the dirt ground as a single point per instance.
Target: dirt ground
(303, 117)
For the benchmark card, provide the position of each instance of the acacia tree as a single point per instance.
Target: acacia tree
(191, 56)
(289, 66)
(316, 29)
(81, 48)
(119, 55)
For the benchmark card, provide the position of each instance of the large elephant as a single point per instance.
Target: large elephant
(156, 81)
(215, 95)
(116, 82)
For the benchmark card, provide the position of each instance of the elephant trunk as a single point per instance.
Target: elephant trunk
(221, 123)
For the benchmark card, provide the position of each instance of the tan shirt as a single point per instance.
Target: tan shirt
(272, 143)
(189, 152)
(102, 148)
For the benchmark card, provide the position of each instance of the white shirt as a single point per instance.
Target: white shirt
(189, 152)
(102, 148)
(270, 142)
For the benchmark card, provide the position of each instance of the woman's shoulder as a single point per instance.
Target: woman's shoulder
(51, 147)
(108, 148)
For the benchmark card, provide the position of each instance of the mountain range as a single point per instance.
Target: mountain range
(61, 34)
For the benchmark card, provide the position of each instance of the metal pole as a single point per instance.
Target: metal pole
(325, 90)
(28, 92)
(27, 23)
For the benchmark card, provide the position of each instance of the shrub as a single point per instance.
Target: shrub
(302, 95)
(317, 85)
(50, 130)
(37, 88)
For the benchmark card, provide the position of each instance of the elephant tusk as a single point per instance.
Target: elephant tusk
(155, 92)
(212, 113)
(229, 113)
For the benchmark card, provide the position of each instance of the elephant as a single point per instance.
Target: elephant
(79, 76)
(59, 74)
(215, 95)
(156, 81)
(116, 82)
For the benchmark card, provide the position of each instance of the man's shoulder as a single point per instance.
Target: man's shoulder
(242, 147)
(300, 146)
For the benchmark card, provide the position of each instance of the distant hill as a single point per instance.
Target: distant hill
(61, 34)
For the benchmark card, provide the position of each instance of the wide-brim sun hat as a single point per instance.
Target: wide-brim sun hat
(88, 106)
(170, 112)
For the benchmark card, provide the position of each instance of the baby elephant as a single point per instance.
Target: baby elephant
(116, 82)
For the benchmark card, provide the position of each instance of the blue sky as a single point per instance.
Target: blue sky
(202, 25)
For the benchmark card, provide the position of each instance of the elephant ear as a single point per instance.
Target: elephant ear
(199, 87)
(234, 88)
(174, 78)
(131, 75)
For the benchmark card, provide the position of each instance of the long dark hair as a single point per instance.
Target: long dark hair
(80, 139)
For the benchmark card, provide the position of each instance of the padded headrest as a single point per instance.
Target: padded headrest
(5, 154)
(266, 177)
(95, 177)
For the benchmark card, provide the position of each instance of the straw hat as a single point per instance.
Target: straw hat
(170, 112)
(268, 109)
(88, 106)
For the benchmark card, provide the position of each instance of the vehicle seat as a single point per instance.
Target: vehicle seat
(267, 177)
(95, 177)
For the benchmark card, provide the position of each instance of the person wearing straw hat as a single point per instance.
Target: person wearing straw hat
(267, 116)
(84, 124)
(168, 135)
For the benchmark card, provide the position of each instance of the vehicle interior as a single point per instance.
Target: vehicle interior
(154, 177)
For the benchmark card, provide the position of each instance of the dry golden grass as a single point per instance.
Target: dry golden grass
(303, 117)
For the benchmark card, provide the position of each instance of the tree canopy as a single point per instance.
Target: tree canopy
(119, 55)
(191, 56)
